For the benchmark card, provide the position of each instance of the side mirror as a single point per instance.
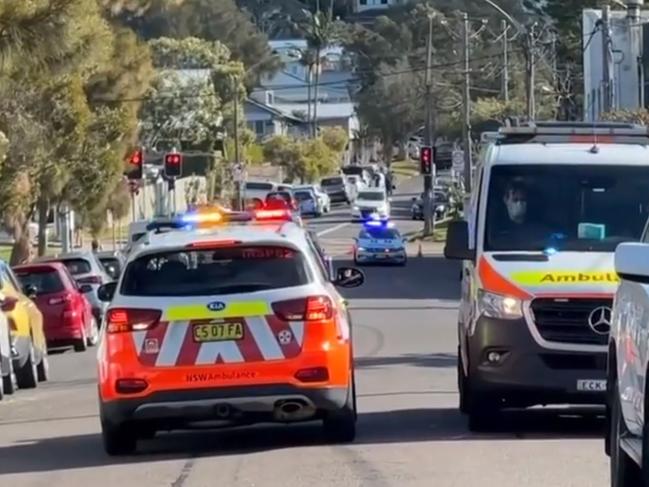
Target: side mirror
(85, 288)
(457, 242)
(30, 291)
(414, 199)
(349, 277)
(631, 262)
(106, 292)
(394, 186)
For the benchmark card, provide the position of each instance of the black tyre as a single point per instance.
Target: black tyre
(624, 472)
(93, 339)
(27, 375)
(483, 411)
(81, 344)
(43, 369)
(340, 426)
(8, 376)
(8, 380)
(461, 383)
(118, 439)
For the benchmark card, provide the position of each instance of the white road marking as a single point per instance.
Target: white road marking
(332, 229)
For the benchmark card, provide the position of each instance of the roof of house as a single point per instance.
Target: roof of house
(273, 110)
(325, 110)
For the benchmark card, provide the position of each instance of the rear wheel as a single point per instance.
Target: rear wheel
(27, 375)
(43, 369)
(461, 383)
(81, 344)
(8, 376)
(118, 439)
(624, 472)
(93, 339)
(340, 426)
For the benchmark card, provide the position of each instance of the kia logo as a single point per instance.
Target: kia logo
(216, 306)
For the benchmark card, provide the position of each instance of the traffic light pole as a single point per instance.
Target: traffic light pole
(429, 198)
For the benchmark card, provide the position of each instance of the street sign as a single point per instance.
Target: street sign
(458, 160)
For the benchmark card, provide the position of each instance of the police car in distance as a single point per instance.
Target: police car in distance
(380, 242)
(224, 320)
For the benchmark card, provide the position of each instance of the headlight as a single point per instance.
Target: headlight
(499, 306)
(355, 208)
(361, 249)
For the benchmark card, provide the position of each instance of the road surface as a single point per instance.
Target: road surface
(410, 433)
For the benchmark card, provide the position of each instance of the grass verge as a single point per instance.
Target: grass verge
(405, 168)
(438, 236)
(5, 251)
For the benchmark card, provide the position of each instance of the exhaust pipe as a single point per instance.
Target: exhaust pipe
(222, 411)
(293, 411)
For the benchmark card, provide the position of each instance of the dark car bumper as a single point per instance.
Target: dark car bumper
(527, 373)
(338, 196)
(247, 404)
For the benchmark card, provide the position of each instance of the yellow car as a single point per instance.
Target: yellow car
(27, 337)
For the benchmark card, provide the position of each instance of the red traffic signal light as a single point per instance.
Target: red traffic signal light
(173, 165)
(135, 163)
(426, 160)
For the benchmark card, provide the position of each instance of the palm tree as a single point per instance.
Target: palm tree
(319, 32)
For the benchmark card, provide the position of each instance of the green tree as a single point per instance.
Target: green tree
(211, 20)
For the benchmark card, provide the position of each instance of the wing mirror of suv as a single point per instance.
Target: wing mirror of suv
(349, 277)
(457, 242)
(105, 292)
(30, 291)
(632, 262)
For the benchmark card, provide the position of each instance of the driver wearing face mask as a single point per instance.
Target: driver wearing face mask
(518, 227)
(516, 203)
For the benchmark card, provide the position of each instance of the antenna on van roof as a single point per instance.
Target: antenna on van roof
(595, 148)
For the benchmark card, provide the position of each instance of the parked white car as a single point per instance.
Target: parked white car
(371, 202)
(324, 202)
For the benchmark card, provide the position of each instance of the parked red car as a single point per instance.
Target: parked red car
(67, 314)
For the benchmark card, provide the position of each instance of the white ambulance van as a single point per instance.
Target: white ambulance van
(551, 203)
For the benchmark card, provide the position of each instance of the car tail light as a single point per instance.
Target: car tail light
(66, 298)
(311, 308)
(123, 320)
(8, 303)
(273, 215)
(90, 280)
(130, 386)
(313, 374)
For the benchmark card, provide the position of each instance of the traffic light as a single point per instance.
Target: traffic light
(135, 164)
(173, 165)
(426, 160)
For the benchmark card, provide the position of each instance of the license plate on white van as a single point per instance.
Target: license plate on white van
(591, 385)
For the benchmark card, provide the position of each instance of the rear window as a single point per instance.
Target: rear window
(207, 272)
(304, 195)
(46, 281)
(77, 266)
(259, 186)
(331, 181)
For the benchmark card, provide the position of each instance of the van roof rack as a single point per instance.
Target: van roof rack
(554, 132)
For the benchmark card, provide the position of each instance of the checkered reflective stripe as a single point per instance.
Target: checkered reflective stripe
(265, 338)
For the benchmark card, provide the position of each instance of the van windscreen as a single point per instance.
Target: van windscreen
(565, 207)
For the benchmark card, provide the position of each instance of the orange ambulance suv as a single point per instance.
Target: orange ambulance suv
(226, 319)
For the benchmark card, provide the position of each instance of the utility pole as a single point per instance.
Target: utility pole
(607, 102)
(429, 224)
(237, 159)
(530, 71)
(466, 126)
(505, 76)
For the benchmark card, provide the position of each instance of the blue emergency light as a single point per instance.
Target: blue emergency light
(379, 223)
